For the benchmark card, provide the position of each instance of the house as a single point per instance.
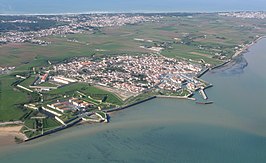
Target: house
(60, 107)
(44, 78)
(80, 103)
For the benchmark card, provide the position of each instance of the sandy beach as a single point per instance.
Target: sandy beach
(8, 134)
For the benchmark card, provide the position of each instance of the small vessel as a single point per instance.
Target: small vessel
(207, 102)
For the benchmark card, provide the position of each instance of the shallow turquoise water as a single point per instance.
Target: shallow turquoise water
(233, 129)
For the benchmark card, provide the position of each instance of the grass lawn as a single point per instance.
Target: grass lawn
(27, 82)
(89, 90)
(66, 117)
(47, 84)
(182, 92)
(50, 123)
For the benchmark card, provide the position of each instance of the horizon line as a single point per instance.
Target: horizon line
(121, 12)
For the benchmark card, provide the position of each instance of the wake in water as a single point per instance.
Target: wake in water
(236, 66)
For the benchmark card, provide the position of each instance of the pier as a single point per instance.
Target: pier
(202, 92)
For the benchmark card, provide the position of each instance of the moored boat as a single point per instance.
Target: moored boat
(208, 102)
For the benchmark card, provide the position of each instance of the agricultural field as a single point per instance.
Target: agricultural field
(197, 37)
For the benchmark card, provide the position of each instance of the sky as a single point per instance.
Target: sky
(82, 6)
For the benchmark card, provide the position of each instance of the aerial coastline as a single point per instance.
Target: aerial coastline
(132, 81)
(64, 93)
(246, 48)
(238, 53)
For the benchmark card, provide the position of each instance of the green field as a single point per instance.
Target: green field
(48, 124)
(88, 90)
(189, 52)
(47, 84)
(181, 92)
(214, 33)
(11, 100)
(27, 82)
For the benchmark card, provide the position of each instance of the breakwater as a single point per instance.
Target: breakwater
(203, 94)
(220, 65)
(202, 72)
(92, 120)
(147, 99)
(127, 106)
(175, 97)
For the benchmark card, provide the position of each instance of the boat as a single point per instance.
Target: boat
(208, 102)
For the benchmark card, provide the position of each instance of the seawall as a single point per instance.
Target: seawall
(202, 72)
(127, 106)
(220, 65)
(55, 130)
(175, 97)
(238, 53)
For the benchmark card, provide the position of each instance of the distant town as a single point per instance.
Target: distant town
(73, 24)
(246, 14)
(69, 24)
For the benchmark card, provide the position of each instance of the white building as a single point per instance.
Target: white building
(64, 80)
